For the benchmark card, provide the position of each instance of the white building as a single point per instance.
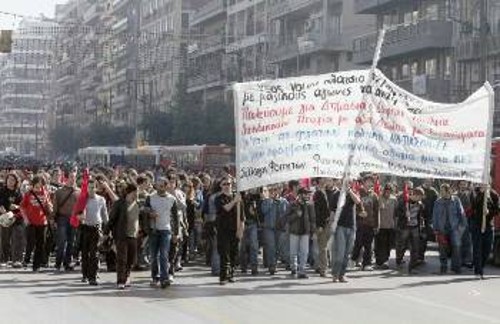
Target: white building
(25, 95)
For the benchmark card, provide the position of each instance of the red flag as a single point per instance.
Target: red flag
(406, 193)
(81, 202)
(376, 187)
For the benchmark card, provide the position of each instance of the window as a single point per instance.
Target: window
(260, 18)
(430, 68)
(394, 73)
(250, 22)
(405, 72)
(414, 69)
(240, 25)
(447, 67)
(432, 12)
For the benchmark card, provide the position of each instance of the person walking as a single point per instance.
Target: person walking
(226, 204)
(162, 208)
(124, 224)
(480, 226)
(36, 207)
(94, 218)
(449, 224)
(301, 217)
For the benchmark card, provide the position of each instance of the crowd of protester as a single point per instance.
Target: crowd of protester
(112, 219)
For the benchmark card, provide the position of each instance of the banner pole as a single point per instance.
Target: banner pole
(487, 153)
(352, 151)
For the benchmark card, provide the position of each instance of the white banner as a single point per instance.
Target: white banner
(308, 126)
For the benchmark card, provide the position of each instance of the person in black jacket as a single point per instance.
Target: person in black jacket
(226, 204)
(323, 212)
(124, 224)
(11, 248)
(410, 219)
(482, 239)
(301, 223)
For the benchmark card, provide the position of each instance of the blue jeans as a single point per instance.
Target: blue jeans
(456, 255)
(159, 244)
(342, 244)
(249, 248)
(270, 238)
(65, 236)
(299, 248)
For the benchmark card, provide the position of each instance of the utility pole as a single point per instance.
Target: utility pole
(483, 40)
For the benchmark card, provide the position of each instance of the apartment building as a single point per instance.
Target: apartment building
(207, 73)
(467, 74)
(247, 41)
(26, 87)
(313, 36)
(418, 52)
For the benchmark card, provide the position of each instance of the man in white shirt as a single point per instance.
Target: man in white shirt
(162, 207)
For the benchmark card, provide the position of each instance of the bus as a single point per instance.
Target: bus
(103, 155)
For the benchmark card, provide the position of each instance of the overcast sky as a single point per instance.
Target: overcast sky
(25, 7)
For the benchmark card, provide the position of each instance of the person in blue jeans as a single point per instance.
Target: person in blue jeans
(344, 232)
(64, 200)
(162, 208)
(273, 208)
(449, 224)
(301, 220)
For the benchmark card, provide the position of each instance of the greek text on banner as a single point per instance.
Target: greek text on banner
(306, 127)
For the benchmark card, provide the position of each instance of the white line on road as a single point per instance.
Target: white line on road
(434, 304)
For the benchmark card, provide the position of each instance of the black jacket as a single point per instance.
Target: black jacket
(401, 216)
(301, 218)
(118, 220)
(321, 208)
(477, 199)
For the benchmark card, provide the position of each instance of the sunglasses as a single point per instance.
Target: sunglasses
(226, 184)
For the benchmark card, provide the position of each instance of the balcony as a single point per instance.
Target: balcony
(373, 6)
(470, 49)
(207, 45)
(208, 11)
(307, 44)
(434, 89)
(287, 7)
(207, 81)
(92, 13)
(120, 26)
(405, 39)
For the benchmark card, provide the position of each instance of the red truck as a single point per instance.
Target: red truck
(495, 173)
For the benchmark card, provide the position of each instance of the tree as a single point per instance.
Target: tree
(157, 127)
(66, 139)
(101, 134)
(187, 128)
(219, 123)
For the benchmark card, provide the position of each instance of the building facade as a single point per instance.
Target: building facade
(467, 74)
(313, 36)
(26, 84)
(418, 52)
(207, 75)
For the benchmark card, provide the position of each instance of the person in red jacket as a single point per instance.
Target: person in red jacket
(36, 206)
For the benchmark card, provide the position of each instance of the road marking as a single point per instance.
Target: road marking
(446, 307)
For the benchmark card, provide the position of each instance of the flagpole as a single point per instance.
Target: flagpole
(352, 151)
(487, 159)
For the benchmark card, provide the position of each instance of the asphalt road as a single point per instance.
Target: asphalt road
(196, 297)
